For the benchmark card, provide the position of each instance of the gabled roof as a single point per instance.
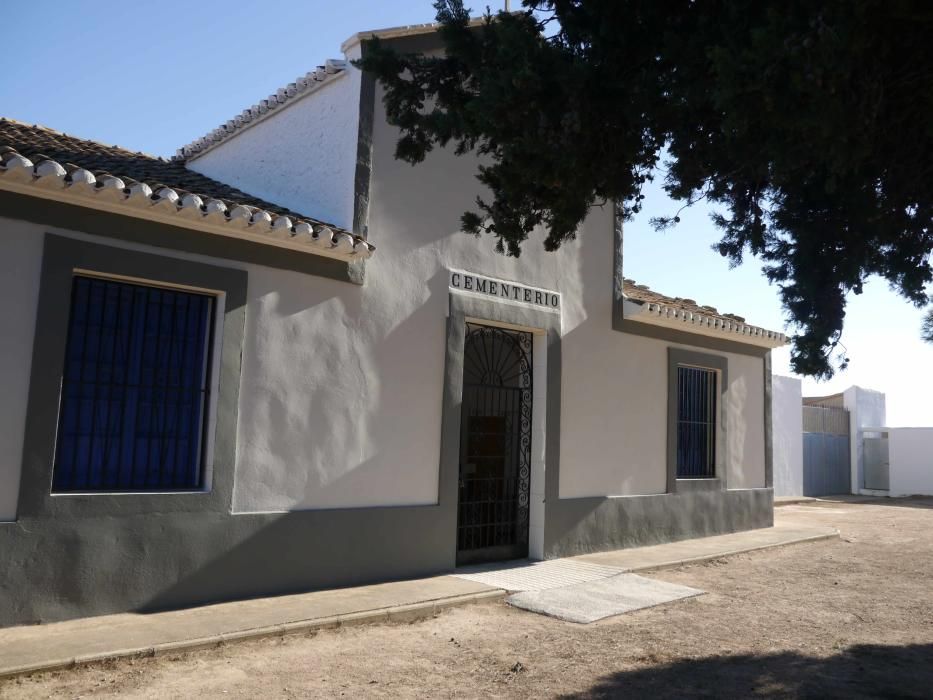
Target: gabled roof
(42, 162)
(648, 306)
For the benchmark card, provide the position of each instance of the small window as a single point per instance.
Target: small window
(135, 388)
(696, 423)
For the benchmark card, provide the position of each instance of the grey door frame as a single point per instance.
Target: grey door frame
(465, 307)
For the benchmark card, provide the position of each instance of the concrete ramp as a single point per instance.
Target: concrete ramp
(601, 598)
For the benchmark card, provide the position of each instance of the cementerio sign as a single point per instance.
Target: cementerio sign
(512, 291)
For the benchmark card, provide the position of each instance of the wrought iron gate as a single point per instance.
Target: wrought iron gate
(495, 445)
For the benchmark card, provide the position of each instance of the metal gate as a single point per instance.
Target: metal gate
(495, 445)
(826, 464)
(876, 460)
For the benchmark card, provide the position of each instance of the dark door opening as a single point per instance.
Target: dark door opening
(495, 445)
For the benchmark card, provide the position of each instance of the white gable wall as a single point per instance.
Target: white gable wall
(302, 156)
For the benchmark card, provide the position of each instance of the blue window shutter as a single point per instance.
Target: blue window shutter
(135, 388)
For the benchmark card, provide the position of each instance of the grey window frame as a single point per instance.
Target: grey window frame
(680, 357)
(62, 257)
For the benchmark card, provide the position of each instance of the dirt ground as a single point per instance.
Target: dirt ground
(843, 618)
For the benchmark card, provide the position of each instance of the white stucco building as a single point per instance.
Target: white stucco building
(210, 393)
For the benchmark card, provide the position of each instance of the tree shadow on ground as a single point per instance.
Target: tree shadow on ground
(863, 671)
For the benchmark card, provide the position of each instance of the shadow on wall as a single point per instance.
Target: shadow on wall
(279, 554)
(859, 671)
(328, 433)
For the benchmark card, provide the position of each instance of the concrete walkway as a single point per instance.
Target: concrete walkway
(64, 644)
(663, 556)
(792, 500)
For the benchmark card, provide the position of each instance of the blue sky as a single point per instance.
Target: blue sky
(151, 78)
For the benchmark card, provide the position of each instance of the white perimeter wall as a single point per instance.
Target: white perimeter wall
(910, 451)
(20, 265)
(302, 157)
(787, 435)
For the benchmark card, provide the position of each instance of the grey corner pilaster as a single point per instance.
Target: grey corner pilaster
(618, 277)
(769, 424)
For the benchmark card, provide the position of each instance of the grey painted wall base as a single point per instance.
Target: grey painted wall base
(148, 562)
(586, 525)
(57, 570)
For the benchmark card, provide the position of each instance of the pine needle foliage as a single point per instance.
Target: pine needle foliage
(807, 122)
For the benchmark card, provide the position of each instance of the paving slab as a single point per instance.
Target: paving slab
(605, 597)
(671, 554)
(63, 644)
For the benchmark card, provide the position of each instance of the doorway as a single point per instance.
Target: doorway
(495, 445)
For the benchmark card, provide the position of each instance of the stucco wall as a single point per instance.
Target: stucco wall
(910, 451)
(614, 412)
(787, 435)
(322, 380)
(335, 363)
(19, 294)
(352, 378)
(302, 157)
(341, 386)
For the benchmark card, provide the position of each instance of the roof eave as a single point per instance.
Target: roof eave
(48, 180)
(665, 316)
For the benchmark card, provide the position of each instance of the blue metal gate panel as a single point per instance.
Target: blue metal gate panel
(826, 467)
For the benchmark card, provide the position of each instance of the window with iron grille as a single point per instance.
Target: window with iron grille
(696, 422)
(135, 388)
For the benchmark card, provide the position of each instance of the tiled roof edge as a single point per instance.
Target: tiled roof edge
(302, 86)
(48, 177)
(711, 321)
